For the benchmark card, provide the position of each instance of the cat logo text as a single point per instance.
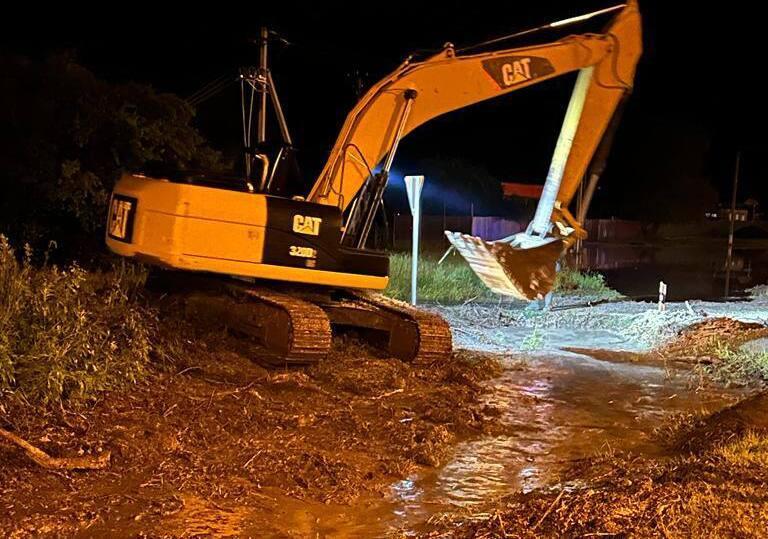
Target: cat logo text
(305, 224)
(508, 71)
(121, 215)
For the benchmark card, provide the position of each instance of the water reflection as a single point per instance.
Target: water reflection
(564, 407)
(694, 270)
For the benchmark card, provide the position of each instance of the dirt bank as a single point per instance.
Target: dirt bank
(221, 445)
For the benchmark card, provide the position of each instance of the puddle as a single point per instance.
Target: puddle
(562, 407)
(692, 269)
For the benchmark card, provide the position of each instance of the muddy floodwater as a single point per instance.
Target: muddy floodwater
(560, 407)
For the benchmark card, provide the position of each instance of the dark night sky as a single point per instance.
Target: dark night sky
(698, 95)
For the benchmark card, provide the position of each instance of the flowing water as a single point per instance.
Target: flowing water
(560, 407)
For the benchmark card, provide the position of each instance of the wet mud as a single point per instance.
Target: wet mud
(362, 445)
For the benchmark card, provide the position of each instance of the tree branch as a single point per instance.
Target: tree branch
(53, 463)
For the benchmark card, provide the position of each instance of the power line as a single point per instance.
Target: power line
(204, 95)
(206, 87)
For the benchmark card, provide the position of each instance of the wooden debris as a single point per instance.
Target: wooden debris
(44, 460)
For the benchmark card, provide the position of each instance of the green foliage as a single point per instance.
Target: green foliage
(68, 137)
(736, 366)
(534, 341)
(571, 281)
(453, 281)
(67, 333)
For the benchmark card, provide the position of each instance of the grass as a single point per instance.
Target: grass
(571, 281)
(736, 366)
(453, 281)
(751, 449)
(534, 341)
(65, 333)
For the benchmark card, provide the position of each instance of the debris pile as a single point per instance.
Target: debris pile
(221, 428)
(698, 339)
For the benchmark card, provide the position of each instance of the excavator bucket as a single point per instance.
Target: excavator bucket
(527, 274)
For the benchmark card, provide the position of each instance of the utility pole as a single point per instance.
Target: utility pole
(580, 211)
(729, 257)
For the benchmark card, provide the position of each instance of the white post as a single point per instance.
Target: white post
(413, 185)
(662, 296)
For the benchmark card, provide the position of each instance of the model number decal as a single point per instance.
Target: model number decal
(302, 252)
(306, 224)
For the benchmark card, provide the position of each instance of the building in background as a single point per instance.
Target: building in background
(745, 212)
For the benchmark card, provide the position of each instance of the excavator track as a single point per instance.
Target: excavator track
(296, 325)
(428, 336)
(307, 335)
(290, 329)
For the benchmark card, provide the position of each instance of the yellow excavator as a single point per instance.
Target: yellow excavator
(292, 266)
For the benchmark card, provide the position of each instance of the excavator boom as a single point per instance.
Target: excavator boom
(449, 81)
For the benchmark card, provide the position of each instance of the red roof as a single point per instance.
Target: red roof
(523, 190)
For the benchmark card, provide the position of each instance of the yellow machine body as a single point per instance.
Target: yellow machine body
(210, 229)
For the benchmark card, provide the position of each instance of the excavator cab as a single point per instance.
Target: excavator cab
(273, 169)
(285, 178)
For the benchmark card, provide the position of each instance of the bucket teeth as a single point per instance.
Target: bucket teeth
(526, 274)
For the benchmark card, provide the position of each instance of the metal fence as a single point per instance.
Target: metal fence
(494, 228)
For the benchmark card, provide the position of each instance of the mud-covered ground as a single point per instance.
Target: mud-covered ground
(712, 484)
(509, 438)
(223, 446)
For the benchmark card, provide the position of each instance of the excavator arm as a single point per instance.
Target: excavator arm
(417, 92)
(523, 266)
